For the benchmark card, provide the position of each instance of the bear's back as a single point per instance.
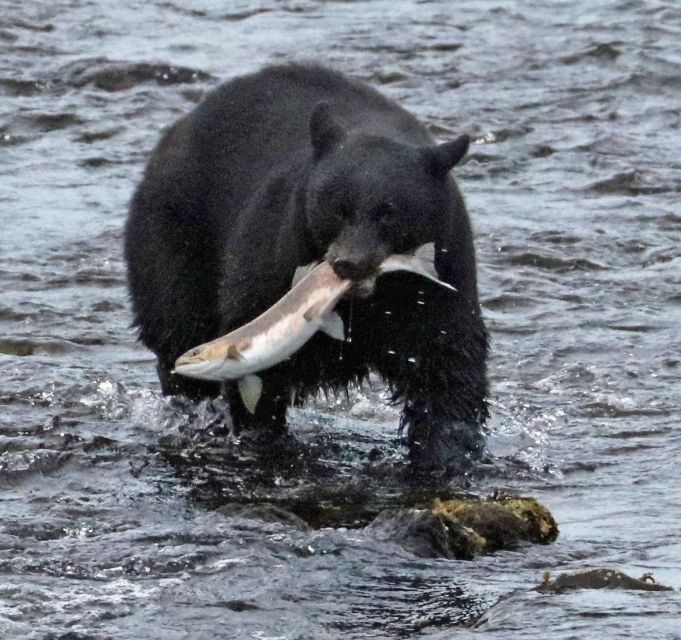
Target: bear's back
(255, 125)
(274, 106)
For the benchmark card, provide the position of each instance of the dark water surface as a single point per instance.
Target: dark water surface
(113, 519)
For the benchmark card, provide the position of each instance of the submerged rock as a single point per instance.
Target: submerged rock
(264, 512)
(426, 534)
(599, 579)
(117, 75)
(507, 605)
(463, 528)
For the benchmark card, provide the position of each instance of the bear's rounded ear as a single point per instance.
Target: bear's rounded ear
(324, 130)
(441, 159)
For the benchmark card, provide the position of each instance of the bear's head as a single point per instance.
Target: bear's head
(369, 196)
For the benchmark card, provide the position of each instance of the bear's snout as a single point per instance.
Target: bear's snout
(349, 269)
(357, 254)
(362, 272)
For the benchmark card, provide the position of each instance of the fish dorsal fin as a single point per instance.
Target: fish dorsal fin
(301, 272)
(250, 390)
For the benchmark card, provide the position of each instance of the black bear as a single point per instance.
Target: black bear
(296, 164)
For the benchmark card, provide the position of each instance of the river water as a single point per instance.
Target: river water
(117, 514)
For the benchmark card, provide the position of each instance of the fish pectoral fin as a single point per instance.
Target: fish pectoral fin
(233, 353)
(329, 321)
(250, 390)
(332, 325)
(316, 310)
(301, 272)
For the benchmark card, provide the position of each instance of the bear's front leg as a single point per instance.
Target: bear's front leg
(444, 407)
(270, 412)
(433, 355)
(445, 394)
(437, 439)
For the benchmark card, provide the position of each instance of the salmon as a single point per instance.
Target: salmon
(287, 325)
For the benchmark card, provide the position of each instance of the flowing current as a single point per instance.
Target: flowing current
(124, 515)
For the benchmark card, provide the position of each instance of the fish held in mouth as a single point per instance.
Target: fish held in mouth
(272, 337)
(287, 325)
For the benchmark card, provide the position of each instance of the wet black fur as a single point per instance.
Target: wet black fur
(259, 179)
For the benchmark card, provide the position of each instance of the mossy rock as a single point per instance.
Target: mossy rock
(503, 521)
(464, 528)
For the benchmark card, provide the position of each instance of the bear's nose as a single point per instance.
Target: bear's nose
(351, 269)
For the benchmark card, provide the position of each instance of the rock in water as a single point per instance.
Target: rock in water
(463, 528)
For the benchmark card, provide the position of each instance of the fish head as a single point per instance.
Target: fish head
(369, 196)
(216, 360)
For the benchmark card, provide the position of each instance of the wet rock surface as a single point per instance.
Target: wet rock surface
(502, 522)
(426, 534)
(466, 527)
(112, 75)
(599, 579)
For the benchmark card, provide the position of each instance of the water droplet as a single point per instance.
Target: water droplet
(388, 313)
(420, 302)
(412, 359)
(391, 352)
